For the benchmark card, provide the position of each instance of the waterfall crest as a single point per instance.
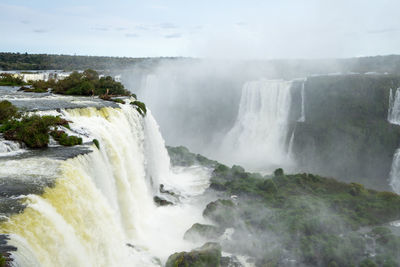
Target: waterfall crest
(258, 137)
(100, 210)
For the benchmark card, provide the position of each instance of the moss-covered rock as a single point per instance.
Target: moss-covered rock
(203, 231)
(181, 156)
(221, 211)
(209, 255)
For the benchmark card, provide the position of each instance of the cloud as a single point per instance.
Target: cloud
(25, 21)
(143, 27)
(241, 23)
(173, 35)
(40, 31)
(132, 35)
(384, 30)
(97, 28)
(167, 25)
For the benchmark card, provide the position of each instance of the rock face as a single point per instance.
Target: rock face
(221, 211)
(203, 231)
(161, 202)
(209, 255)
(346, 133)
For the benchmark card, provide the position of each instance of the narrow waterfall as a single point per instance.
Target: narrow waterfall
(394, 107)
(302, 115)
(100, 209)
(395, 172)
(258, 138)
(394, 118)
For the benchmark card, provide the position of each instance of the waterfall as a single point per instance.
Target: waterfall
(394, 107)
(395, 172)
(258, 138)
(302, 115)
(100, 210)
(394, 118)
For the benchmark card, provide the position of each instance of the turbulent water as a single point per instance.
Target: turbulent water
(258, 139)
(99, 209)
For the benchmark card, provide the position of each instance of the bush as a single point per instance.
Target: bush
(278, 172)
(7, 111)
(96, 143)
(140, 107)
(34, 130)
(7, 79)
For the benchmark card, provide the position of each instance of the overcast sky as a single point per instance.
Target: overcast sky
(202, 28)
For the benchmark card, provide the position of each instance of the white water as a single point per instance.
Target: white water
(258, 138)
(102, 201)
(394, 118)
(394, 107)
(395, 172)
(302, 115)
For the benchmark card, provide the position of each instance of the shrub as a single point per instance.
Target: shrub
(96, 143)
(7, 111)
(140, 107)
(278, 172)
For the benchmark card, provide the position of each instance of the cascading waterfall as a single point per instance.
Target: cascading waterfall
(100, 211)
(258, 138)
(394, 118)
(302, 115)
(394, 107)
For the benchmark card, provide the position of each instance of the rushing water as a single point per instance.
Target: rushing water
(258, 139)
(99, 209)
(394, 118)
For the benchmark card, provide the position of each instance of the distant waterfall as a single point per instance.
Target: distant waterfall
(100, 211)
(395, 172)
(302, 114)
(394, 118)
(258, 138)
(394, 107)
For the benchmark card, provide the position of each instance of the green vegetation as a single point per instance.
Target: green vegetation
(2, 261)
(181, 156)
(346, 133)
(96, 143)
(202, 231)
(7, 111)
(7, 79)
(64, 139)
(34, 131)
(140, 107)
(312, 218)
(87, 83)
(209, 255)
(24, 61)
(309, 219)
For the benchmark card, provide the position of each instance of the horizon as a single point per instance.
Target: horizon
(227, 29)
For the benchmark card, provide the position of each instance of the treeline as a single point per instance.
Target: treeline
(25, 61)
(86, 83)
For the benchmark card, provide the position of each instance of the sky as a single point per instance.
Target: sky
(250, 29)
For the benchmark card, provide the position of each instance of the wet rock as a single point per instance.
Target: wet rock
(162, 202)
(203, 231)
(209, 255)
